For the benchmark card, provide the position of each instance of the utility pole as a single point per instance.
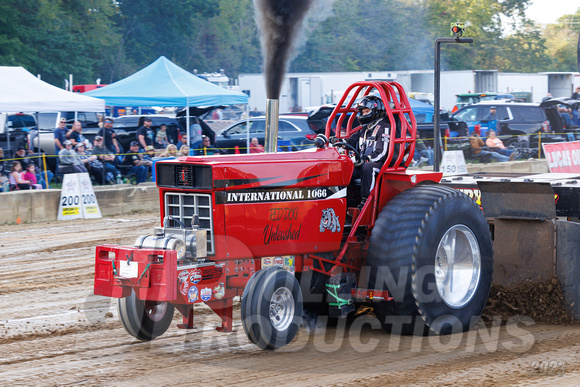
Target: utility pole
(457, 31)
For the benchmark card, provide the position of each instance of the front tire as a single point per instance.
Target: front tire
(271, 308)
(431, 248)
(144, 320)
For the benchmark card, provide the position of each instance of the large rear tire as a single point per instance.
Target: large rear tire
(431, 248)
(144, 320)
(271, 308)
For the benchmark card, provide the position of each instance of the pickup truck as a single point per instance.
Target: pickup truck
(14, 130)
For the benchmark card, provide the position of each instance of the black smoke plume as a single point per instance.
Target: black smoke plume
(280, 23)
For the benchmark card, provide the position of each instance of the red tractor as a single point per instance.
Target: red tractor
(273, 228)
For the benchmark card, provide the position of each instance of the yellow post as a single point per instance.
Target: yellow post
(44, 167)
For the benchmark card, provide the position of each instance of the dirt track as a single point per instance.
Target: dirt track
(53, 331)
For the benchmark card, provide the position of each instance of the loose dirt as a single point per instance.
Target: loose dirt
(54, 331)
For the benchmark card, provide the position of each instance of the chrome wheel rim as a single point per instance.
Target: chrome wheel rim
(282, 308)
(155, 310)
(457, 266)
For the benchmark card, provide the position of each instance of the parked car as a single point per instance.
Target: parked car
(294, 133)
(473, 98)
(126, 127)
(519, 125)
(49, 121)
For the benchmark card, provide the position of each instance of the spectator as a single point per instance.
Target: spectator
(477, 145)
(576, 94)
(496, 145)
(108, 160)
(195, 133)
(217, 114)
(184, 151)
(76, 135)
(60, 135)
(145, 134)
(109, 136)
(148, 158)
(91, 163)
(207, 149)
(26, 160)
(161, 140)
(134, 161)
(16, 180)
(182, 141)
(68, 160)
(423, 152)
(4, 173)
(170, 151)
(30, 175)
(255, 146)
(149, 153)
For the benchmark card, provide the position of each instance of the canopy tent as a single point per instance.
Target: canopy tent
(23, 92)
(163, 83)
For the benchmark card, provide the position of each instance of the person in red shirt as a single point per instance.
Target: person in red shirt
(255, 146)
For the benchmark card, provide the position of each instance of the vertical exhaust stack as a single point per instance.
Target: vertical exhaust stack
(272, 111)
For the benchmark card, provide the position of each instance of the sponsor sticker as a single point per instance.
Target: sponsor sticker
(205, 294)
(195, 276)
(219, 291)
(267, 262)
(183, 281)
(192, 294)
(278, 261)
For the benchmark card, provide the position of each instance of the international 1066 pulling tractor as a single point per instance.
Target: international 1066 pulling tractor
(273, 228)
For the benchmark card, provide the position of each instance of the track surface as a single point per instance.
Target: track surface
(53, 331)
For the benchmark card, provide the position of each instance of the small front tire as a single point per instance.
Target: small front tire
(144, 320)
(271, 308)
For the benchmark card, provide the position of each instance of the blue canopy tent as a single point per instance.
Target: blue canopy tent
(163, 83)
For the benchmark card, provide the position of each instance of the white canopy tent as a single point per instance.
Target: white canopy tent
(20, 91)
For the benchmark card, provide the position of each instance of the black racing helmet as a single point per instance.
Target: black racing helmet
(370, 102)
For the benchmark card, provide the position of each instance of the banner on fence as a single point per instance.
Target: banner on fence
(563, 157)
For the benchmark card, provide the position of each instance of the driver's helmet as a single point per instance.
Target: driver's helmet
(370, 102)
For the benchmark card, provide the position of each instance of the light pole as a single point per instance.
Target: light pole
(457, 30)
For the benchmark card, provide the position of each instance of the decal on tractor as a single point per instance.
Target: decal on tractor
(329, 221)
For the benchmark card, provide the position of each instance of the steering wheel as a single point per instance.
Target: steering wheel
(358, 160)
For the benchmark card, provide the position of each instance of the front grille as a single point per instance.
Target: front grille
(184, 176)
(183, 206)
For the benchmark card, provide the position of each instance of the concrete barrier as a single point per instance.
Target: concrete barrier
(42, 206)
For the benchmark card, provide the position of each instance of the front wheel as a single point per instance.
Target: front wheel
(144, 320)
(431, 248)
(271, 308)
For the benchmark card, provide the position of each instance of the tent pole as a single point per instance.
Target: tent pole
(247, 128)
(187, 129)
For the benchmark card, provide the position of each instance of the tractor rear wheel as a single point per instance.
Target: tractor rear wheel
(144, 320)
(431, 248)
(271, 308)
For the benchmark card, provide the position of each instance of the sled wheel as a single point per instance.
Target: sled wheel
(271, 308)
(144, 320)
(431, 248)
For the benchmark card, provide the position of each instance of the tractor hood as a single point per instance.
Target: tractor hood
(308, 168)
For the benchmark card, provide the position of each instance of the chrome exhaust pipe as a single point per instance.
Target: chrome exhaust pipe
(272, 112)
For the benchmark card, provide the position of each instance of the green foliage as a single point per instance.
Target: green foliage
(112, 39)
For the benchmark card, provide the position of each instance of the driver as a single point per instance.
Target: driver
(372, 141)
